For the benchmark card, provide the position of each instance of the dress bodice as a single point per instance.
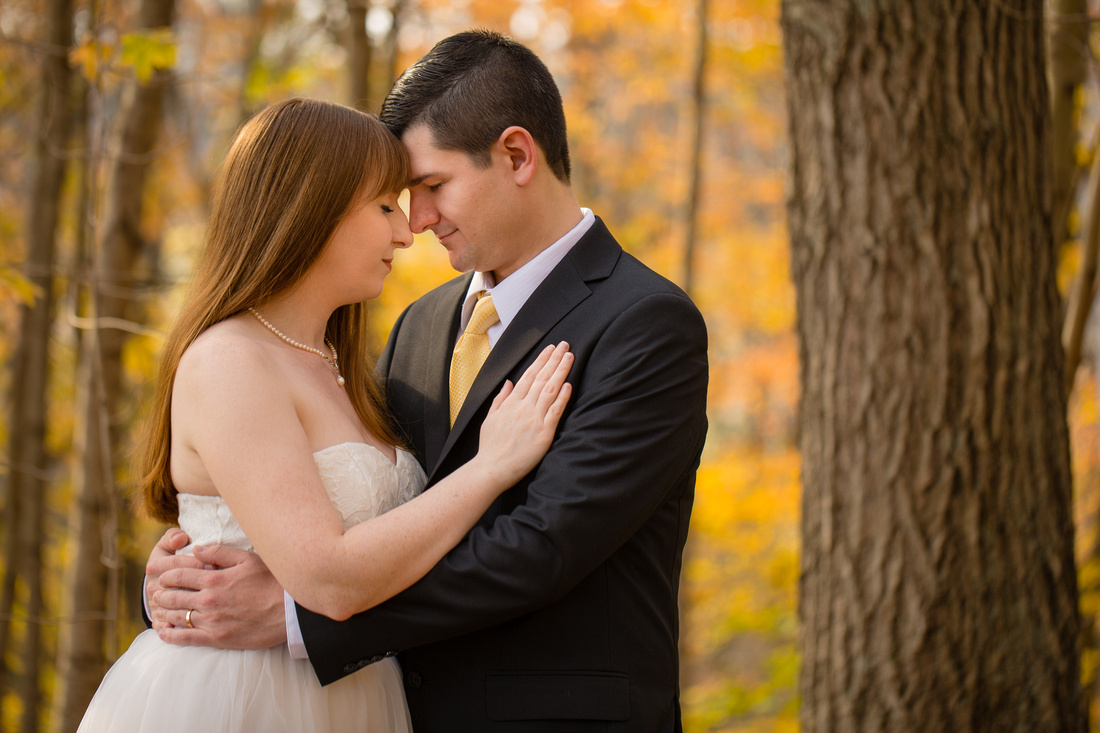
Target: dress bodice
(359, 479)
(156, 687)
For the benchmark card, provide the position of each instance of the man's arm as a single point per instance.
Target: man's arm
(631, 439)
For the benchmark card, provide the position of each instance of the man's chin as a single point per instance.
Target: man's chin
(459, 263)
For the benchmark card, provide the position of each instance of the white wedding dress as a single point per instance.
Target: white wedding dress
(158, 687)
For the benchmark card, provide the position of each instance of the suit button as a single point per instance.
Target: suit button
(349, 668)
(414, 680)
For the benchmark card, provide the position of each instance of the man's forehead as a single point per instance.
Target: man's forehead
(424, 157)
(427, 160)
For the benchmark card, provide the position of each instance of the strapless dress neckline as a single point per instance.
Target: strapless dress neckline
(355, 445)
(360, 480)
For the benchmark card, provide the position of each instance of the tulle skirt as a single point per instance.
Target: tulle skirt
(158, 687)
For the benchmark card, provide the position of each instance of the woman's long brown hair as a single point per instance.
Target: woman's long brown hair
(293, 172)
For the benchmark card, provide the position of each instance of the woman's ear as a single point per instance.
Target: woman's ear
(519, 149)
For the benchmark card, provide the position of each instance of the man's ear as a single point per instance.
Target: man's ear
(519, 149)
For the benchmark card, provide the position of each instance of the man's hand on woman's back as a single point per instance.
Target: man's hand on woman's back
(234, 600)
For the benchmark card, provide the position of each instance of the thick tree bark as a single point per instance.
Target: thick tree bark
(87, 645)
(938, 589)
(28, 454)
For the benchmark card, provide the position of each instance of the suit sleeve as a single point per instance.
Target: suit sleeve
(630, 439)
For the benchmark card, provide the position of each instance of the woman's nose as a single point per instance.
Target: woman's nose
(402, 234)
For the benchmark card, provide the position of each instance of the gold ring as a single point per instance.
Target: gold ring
(189, 624)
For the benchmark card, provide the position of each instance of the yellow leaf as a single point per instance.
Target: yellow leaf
(148, 51)
(90, 56)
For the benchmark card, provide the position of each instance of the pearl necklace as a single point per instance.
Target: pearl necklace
(333, 361)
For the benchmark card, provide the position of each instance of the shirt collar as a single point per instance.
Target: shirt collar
(510, 295)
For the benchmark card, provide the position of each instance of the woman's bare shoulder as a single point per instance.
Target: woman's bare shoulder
(227, 351)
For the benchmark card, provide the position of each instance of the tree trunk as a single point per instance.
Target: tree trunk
(1068, 67)
(254, 36)
(1082, 293)
(12, 514)
(691, 217)
(28, 482)
(359, 56)
(82, 654)
(393, 48)
(1069, 57)
(695, 158)
(938, 590)
(90, 642)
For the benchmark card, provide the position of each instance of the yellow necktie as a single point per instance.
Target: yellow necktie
(471, 351)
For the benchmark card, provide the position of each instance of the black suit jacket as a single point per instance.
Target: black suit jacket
(558, 611)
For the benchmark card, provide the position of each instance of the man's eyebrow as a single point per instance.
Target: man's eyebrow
(420, 179)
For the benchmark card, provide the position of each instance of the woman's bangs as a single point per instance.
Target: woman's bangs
(387, 161)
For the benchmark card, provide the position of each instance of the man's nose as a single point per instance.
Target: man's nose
(422, 213)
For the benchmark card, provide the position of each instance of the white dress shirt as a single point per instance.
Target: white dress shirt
(509, 295)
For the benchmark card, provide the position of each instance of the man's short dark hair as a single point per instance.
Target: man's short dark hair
(474, 85)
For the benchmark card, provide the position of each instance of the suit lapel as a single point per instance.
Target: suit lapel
(441, 341)
(593, 257)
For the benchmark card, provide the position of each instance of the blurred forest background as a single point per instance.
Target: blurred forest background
(114, 115)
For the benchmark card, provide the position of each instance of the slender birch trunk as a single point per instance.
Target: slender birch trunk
(93, 583)
(29, 485)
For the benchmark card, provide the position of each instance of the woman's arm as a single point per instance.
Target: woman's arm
(233, 413)
(626, 451)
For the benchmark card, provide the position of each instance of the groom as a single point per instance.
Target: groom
(558, 611)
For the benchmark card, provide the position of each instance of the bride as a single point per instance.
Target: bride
(268, 434)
